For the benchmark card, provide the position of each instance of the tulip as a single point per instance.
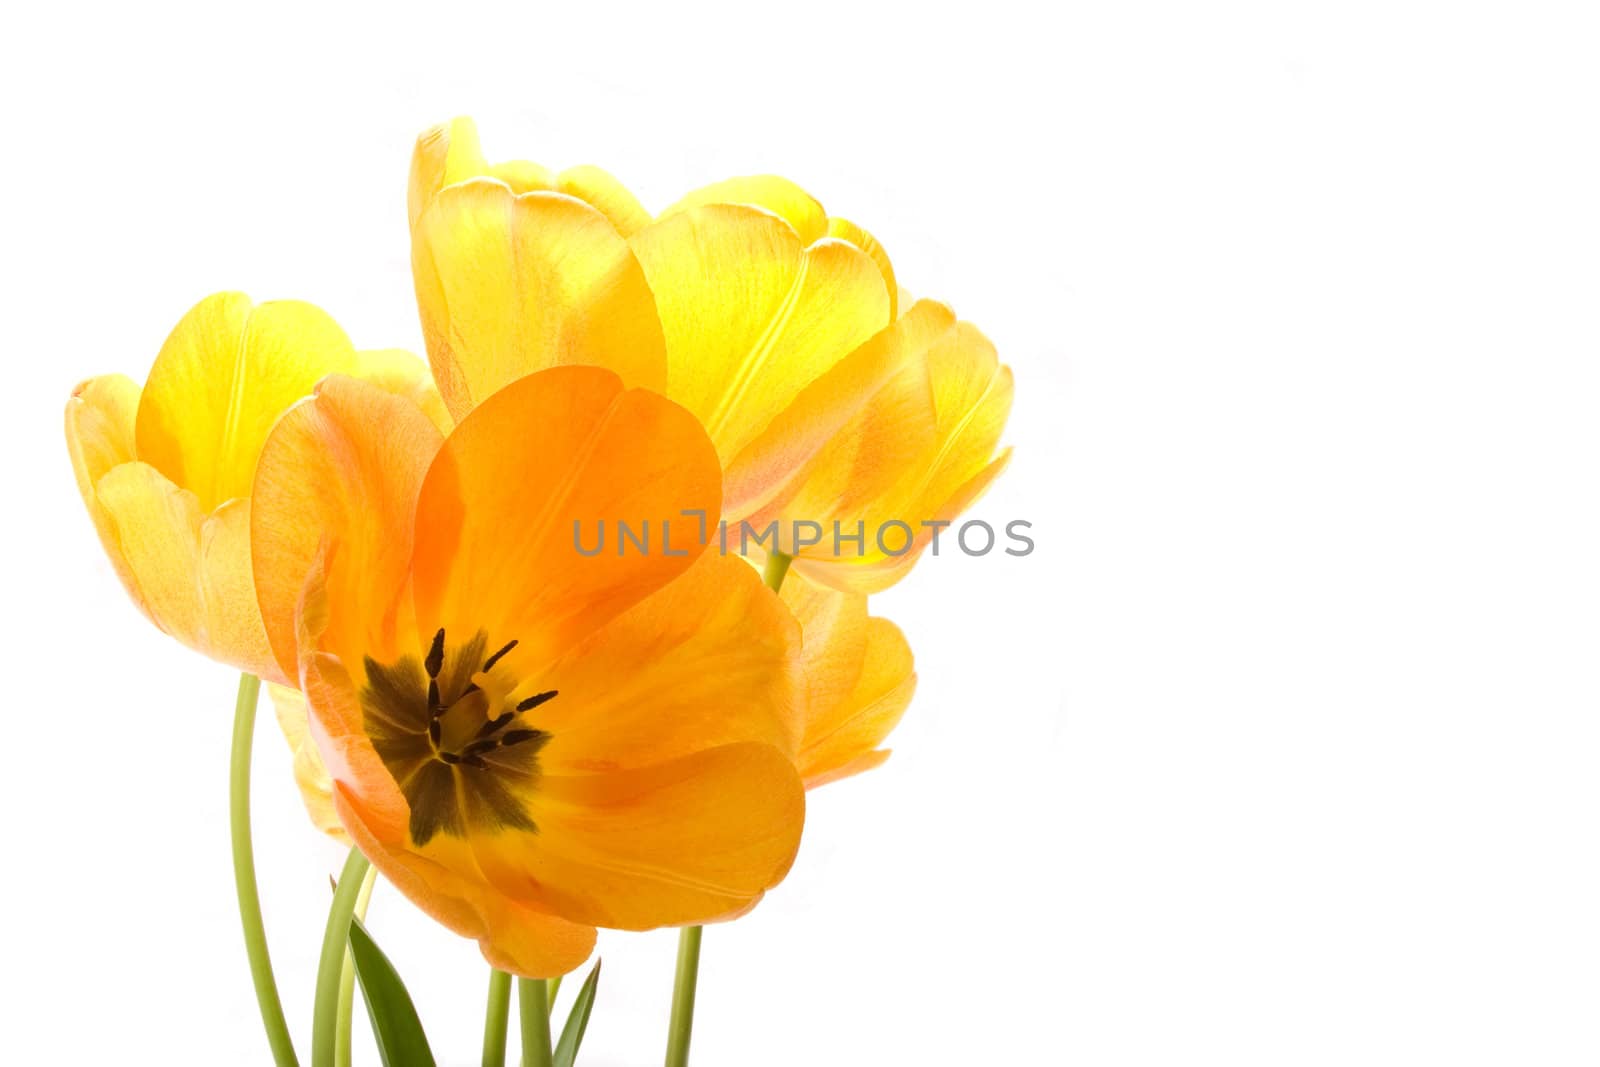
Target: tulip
(527, 742)
(165, 471)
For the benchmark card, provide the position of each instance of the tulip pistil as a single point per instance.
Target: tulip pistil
(461, 762)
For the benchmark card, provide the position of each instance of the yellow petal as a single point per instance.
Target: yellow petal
(764, 470)
(99, 427)
(508, 285)
(340, 473)
(751, 314)
(316, 787)
(845, 230)
(769, 192)
(914, 457)
(450, 154)
(541, 467)
(402, 373)
(189, 571)
(859, 680)
(224, 375)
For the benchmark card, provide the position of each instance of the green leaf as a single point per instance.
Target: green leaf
(401, 1042)
(577, 1020)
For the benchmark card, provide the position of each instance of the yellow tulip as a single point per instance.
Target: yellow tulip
(526, 741)
(865, 507)
(165, 471)
(739, 302)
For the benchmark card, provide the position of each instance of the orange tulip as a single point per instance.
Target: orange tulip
(165, 471)
(529, 742)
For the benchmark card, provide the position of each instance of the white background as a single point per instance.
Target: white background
(1281, 749)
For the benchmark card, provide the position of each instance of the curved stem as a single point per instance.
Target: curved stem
(335, 940)
(533, 1000)
(687, 977)
(496, 1019)
(347, 978)
(244, 874)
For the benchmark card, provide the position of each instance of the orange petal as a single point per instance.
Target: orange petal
(692, 840)
(542, 467)
(710, 659)
(224, 375)
(751, 314)
(341, 470)
(508, 285)
(513, 935)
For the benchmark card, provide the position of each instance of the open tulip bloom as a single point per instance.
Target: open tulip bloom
(527, 729)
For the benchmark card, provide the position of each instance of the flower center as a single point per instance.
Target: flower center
(456, 742)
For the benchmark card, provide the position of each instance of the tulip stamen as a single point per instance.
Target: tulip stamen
(459, 760)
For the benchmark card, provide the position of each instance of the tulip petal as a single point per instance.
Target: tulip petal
(769, 192)
(851, 729)
(710, 659)
(310, 774)
(532, 474)
(99, 426)
(692, 840)
(859, 680)
(394, 370)
(340, 472)
(508, 285)
(751, 314)
(155, 529)
(224, 375)
(845, 230)
(766, 467)
(231, 621)
(450, 153)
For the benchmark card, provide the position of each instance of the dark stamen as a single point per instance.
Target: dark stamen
(435, 661)
(434, 704)
(495, 723)
(450, 757)
(480, 746)
(535, 700)
(433, 731)
(473, 761)
(488, 664)
(516, 737)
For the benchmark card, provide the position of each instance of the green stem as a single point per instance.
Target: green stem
(244, 874)
(347, 978)
(335, 942)
(533, 999)
(686, 979)
(775, 570)
(496, 1019)
(683, 988)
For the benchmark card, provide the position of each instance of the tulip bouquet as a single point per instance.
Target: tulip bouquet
(562, 623)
